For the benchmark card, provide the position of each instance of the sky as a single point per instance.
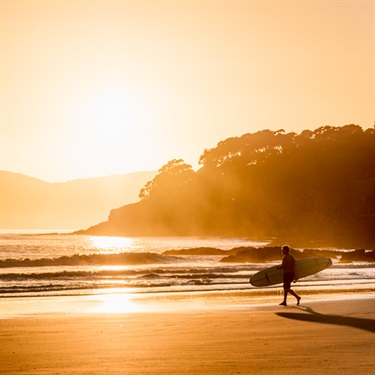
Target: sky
(95, 88)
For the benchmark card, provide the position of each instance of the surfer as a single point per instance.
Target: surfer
(288, 268)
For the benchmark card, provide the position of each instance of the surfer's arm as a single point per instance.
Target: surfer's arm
(282, 265)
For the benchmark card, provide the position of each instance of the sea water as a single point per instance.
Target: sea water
(64, 264)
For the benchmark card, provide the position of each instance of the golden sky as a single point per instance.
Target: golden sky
(93, 88)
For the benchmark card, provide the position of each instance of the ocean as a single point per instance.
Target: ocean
(35, 264)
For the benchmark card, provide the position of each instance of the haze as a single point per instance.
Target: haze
(94, 88)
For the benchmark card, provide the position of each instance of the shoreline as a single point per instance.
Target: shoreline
(326, 334)
(119, 301)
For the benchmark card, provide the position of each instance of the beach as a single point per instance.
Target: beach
(86, 305)
(204, 333)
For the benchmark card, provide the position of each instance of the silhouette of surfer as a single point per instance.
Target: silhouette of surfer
(288, 267)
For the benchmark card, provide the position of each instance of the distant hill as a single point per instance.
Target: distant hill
(30, 203)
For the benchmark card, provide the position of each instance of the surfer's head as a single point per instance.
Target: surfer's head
(285, 249)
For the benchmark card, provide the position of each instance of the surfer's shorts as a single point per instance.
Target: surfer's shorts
(287, 279)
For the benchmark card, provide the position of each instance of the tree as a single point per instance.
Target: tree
(171, 177)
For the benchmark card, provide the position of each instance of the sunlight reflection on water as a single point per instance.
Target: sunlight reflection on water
(115, 304)
(110, 243)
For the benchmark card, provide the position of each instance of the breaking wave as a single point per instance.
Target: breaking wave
(125, 259)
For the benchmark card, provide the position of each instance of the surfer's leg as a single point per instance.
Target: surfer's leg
(295, 295)
(284, 301)
(288, 278)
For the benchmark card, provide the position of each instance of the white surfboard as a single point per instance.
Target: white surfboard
(302, 268)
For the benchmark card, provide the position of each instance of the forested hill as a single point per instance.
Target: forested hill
(313, 187)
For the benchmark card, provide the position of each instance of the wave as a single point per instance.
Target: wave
(113, 274)
(244, 255)
(127, 259)
(272, 253)
(141, 277)
(205, 251)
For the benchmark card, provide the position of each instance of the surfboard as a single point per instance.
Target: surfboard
(302, 268)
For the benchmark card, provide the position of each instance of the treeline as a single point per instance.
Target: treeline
(314, 186)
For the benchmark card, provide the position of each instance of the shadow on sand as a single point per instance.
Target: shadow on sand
(315, 317)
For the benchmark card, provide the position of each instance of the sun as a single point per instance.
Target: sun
(107, 108)
(109, 122)
(110, 113)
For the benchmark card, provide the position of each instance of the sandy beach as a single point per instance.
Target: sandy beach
(324, 335)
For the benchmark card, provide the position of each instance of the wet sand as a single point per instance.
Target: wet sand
(324, 335)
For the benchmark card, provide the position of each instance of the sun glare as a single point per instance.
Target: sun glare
(109, 110)
(116, 304)
(111, 243)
